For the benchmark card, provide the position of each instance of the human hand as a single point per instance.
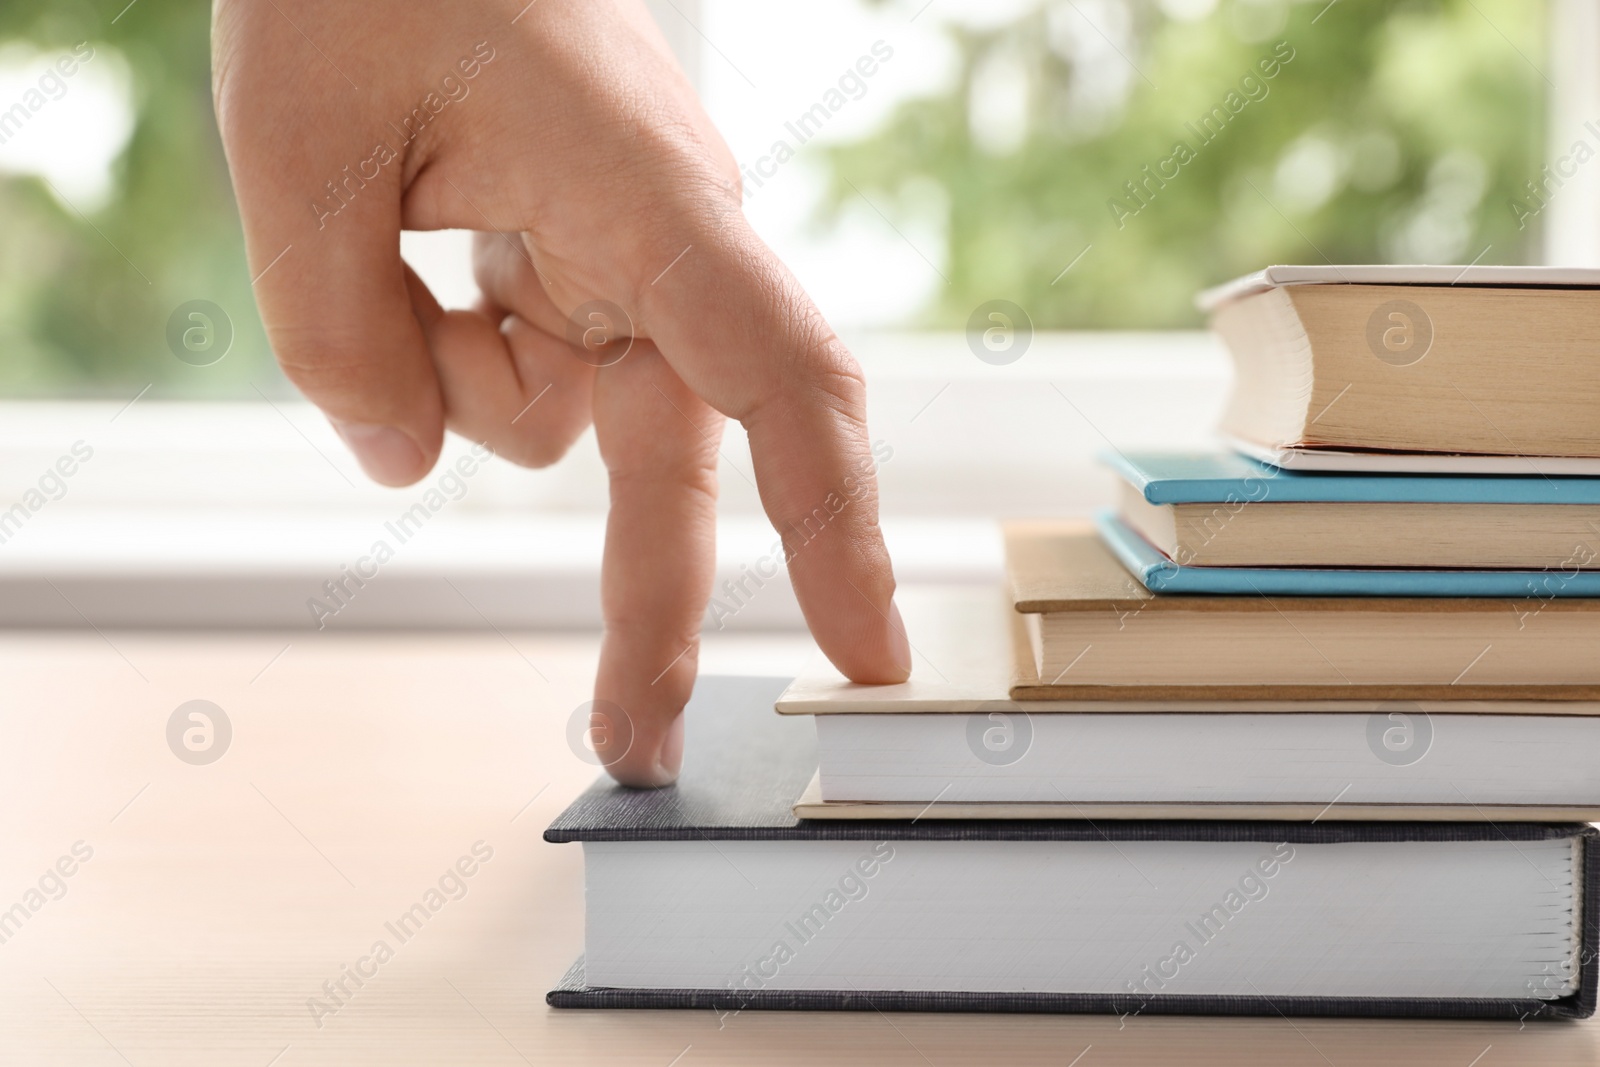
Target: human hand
(565, 134)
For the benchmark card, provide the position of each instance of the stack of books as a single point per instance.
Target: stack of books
(1307, 727)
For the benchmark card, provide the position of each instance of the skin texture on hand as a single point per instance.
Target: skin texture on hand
(566, 135)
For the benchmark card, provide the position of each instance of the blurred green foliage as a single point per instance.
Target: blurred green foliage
(1397, 132)
(84, 299)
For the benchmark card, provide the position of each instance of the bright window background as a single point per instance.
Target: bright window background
(977, 162)
(988, 154)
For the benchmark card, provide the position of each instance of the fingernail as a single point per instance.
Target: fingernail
(386, 454)
(899, 643)
(670, 761)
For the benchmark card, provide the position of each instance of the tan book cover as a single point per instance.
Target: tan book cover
(1091, 631)
(810, 805)
(970, 653)
(1415, 368)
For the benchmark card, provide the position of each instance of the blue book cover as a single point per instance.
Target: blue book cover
(1158, 573)
(1227, 477)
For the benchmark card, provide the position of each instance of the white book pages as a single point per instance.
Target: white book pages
(1490, 918)
(1395, 756)
(1332, 459)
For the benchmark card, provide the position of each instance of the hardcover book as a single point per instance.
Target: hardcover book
(1158, 571)
(1413, 359)
(948, 742)
(711, 895)
(1220, 509)
(1096, 632)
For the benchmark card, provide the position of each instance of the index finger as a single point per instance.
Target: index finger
(743, 334)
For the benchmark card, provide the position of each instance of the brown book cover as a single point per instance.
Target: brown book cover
(1415, 368)
(1074, 601)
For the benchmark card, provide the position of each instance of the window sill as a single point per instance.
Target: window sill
(234, 515)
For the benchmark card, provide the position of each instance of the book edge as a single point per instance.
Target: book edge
(572, 993)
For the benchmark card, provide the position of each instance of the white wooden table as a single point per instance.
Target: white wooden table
(221, 897)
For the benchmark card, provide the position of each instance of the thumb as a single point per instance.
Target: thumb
(322, 231)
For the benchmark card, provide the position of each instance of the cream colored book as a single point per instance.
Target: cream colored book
(1526, 536)
(949, 744)
(1400, 359)
(1221, 509)
(1096, 633)
(969, 652)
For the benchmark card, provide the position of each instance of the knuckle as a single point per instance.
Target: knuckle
(694, 476)
(826, 377)
(669, 636)
(838, 381)
(540, 450)
(354, 379)
(327, 369)
(535, 454)
(527, 435)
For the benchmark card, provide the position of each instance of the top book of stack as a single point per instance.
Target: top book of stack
(1425, 369)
